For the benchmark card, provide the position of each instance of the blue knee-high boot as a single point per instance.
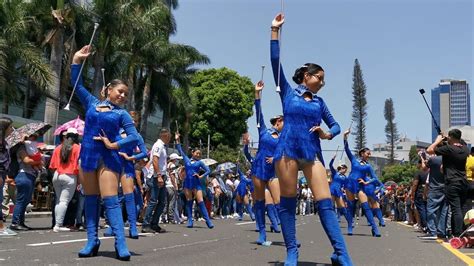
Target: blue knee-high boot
(254, 209)
(260, 218)
(350, 216)
(370, 219)
(271, 214)
(189, 213)
(91, 209)
(377, 212)
(277, 207)
(343, 213)
(333, 231)
(240, 210)
(114, 215)
(250, 211)
(288, 225)
(205, 215)
(131, 214)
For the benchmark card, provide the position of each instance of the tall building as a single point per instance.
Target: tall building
(451, 105)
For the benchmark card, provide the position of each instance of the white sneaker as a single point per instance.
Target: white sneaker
(7, 232)
(405, 222)
(58, 229)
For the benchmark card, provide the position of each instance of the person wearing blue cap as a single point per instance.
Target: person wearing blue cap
(299, 147)
(338, 181)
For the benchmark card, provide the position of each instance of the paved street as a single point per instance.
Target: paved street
(230, 243)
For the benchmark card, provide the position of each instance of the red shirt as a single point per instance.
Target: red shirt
(71, 167)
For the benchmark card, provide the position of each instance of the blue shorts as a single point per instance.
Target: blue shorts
(192, 183)
(336, 191)
(369, 190)
(353, 186)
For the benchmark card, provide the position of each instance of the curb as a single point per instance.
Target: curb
(38, 214)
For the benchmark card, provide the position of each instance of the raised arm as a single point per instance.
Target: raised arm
(182, 153)
(260, 119)
(331, 167)
(247, 153)
(275, 57)
(82, 93)
(348, 150)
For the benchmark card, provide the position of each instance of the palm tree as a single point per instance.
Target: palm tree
(20, 60)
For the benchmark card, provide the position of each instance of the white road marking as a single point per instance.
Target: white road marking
(244, 223)
(73, 241)
(192, 244)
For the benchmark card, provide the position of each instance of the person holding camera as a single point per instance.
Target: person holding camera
(454, 154)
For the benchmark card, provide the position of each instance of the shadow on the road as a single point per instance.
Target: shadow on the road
(300, 263)
(360, 235)
(111, 254)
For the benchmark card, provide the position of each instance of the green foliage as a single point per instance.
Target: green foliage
(413, 155)
(400, 173)
(391, 131)
(359, 105)
(222, 102)
(223, 153)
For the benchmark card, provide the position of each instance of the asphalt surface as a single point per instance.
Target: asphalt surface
(230, 243)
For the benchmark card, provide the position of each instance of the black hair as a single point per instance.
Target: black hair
(5, 123)
(472, 149)
(66, 148)
(112, 84)
(306, 68)
(363, 150)
(455, 134)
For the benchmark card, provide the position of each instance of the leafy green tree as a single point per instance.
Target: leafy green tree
(359, 105)
(391, 131)
(222, 102)
(21, 62)
(400, 173)
(413, 154)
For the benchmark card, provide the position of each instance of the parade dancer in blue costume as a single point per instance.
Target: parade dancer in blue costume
(192, 185)
(241, 197)
(263, 169)
(299, 147)
(127, 181)
(372, 187)
(338, 180)
(101, 163)
(360, 169)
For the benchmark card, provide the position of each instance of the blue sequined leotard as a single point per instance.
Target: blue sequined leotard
(338, 181)
(192, 167)
(94, 152)
(296, 142)
(359, 170)
(266, 147)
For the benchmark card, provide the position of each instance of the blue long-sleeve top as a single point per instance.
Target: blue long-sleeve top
(247, 154)
(337, 179)
(192, 166)
(300, 116)
(129, 167)
(359, 169)
(92, 151)
(244, 180)
(266, 147)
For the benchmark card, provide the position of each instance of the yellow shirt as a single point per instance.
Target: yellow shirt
(469, 164)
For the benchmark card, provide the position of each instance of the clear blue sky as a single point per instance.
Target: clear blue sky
(401, 45)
